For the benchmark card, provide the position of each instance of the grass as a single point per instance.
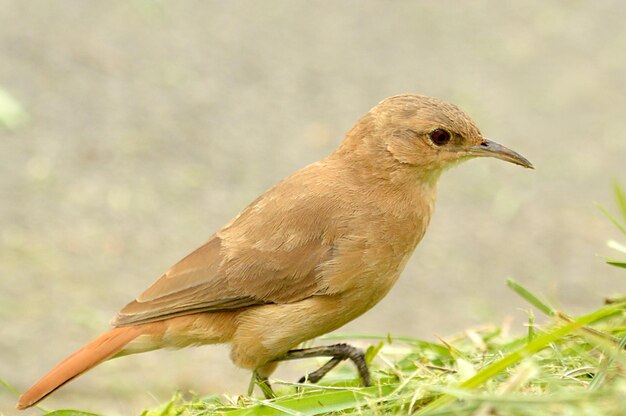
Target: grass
(567, 366)
(620, 197)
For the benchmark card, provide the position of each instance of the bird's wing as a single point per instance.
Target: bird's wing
(210, 280)
(271, 253)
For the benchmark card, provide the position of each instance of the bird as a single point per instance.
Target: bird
(312, 253)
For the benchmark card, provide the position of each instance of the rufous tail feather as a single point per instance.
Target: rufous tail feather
(100, 349)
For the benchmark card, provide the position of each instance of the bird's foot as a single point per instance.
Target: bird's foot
(317, 375)
(338, 352)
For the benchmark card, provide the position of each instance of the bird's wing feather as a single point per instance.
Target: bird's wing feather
(271, 253)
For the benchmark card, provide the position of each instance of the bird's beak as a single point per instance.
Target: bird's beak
(489, 148)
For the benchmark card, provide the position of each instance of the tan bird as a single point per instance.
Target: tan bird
(309, 255)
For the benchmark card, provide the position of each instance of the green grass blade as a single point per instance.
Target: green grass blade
(10, 388)
(614, 220)
(314, 404)
(527, 350)
(609, 358)
(617, 263)
(530, 297)
(531, 326)
(620, 197)
(616, 246)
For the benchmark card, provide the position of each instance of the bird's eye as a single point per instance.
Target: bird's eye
(440, 137)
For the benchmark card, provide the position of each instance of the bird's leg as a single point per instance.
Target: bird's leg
(338, 352)
(264, 384)
(317, 375)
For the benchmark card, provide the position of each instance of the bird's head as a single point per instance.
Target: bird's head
(421, 134)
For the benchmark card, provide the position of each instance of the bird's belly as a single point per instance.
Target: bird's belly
(268, 331)
(371, 288)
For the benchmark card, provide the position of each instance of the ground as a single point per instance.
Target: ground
(151, 123)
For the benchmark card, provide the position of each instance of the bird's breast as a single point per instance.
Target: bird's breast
(369, 260)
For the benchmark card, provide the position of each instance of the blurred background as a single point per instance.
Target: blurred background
(132, 130)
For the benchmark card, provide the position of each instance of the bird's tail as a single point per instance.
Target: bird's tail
(100, 349)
